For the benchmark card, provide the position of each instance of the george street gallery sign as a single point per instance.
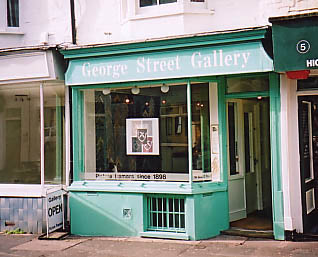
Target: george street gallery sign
(190, 62)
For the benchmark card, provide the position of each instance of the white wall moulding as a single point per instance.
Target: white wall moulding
(26, 66)
(24, 190)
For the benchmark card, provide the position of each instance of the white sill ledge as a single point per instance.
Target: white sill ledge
(166, 235)
(25, 190)
(19, 33)
(151, 15)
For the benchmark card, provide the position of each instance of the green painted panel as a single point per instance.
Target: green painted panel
(105, 214)
(203, 61)
(277, 194)
(223, 129)
(77, 129)
(295, 44)
(211, 215)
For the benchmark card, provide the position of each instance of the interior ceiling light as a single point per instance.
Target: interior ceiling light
(135, 90)
(106, 91)
(164, 88)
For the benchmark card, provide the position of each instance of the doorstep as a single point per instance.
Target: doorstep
(233, 231)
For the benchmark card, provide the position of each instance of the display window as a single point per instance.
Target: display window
(143, 133)
(20, 134)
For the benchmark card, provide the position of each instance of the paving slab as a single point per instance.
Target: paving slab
(47, 245)
(221, 246)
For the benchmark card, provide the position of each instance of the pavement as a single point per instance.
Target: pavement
(221, 246)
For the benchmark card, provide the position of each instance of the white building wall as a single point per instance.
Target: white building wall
(40, 22)
(109, 21)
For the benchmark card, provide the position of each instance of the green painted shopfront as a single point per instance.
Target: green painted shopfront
(176, 137)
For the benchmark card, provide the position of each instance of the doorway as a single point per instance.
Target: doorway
(249, 167)
(308, 150)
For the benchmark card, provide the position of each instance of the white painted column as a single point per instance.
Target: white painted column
(290, 155)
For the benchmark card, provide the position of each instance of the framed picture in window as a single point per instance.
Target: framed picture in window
(142, 136)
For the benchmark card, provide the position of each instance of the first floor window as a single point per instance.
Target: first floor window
(13, 13)
(144, 3)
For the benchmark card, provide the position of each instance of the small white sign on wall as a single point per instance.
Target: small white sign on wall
(55, 211)
(142, 136)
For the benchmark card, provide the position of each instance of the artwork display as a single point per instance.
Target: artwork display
(142, 136)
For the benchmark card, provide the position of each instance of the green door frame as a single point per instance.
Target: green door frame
(275, 128)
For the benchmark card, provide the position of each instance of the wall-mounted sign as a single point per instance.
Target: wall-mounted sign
(204, 61)
(55, 211)
(295, 43)
(142, 136)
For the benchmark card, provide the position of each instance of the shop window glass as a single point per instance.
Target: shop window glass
(54, 137)
(20, 135)
(239, 85)
(201, 155)
(307, 84)
(148, 115)
(144, 136)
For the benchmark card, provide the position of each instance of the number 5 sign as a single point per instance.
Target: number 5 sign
(303, 46)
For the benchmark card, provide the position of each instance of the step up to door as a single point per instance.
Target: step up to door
(249, 233)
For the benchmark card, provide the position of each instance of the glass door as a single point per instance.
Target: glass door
(308, 149)
(236, 177)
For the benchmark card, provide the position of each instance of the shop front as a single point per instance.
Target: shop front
(157, 128)
(32, 132)
(297, 61)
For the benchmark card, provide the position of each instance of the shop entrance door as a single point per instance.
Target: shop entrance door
(248, 157)
(308, 149)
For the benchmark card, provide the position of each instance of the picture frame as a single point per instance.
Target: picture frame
(142, 136)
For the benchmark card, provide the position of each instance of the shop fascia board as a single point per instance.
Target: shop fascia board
(47, 65)
(195, 40)
(148, 187)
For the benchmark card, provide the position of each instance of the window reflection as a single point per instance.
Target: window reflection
(201, 155)
(110, 116)
(54, 138)
(20, 135)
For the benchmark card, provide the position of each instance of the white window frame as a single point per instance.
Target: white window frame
(41, 189)
(131, 10)
(4, 28)
(158, 3)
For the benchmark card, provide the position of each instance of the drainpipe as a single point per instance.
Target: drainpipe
(73, 22)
